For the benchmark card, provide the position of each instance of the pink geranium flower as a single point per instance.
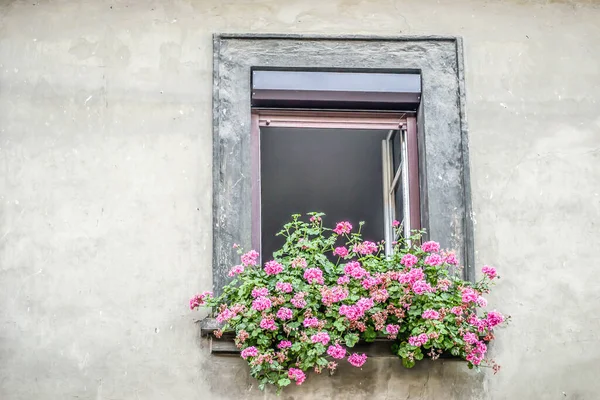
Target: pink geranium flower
(284, 287)
(249, 352)
(409, 260)
(199, 300)
(340, 251)
(494, 318)
(297, 375)
(337, 351)
(469, 295)
(258, 292)
(343, 227)
(430, 314)
(357, 360)
(354, 269)
(284, 313)
(320, 337)
(314, 275)
(261, 303)
(268, 324)
(430, 247)
(238, 269)
(250, 258)
(488, 271)
(273, 267)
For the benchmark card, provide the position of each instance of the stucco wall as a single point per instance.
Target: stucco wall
(105, 218)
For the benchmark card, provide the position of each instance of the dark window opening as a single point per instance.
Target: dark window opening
(335, 171)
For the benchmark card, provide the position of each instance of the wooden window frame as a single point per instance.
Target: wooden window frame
(405, 124)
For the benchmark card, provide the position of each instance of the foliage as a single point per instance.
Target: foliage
(326, 289)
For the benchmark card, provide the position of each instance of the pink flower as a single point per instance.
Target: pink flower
(284, 344)
(261, 303)
(258, 292)
(225, 315)
(337, 351)
(299, 263)
(444, 285)
(470, 338)
(273, 267)
(199, 299)
(342, 280)
(353, 313)
(365, 248)
(340, 251)
(343, 227)
(238, 269)
(357, 360)
(418, 340)
(268, 324)
(456, 310)
(494, 318)
(311, 322)
(354, 269)
(481, 301)
(320, 337)
(249, 352)
(421, 287)
(490, 272)
(430, 247)
(477, 353)
(480, 324)
(315, 219)
(469, 295)
(395, 223)
(284, 313)
(298, 300)
(284, 287)
(250, 258)
(364, 303)
(392, 329)
(434, 259)
(408, 260)
(333, 295)
(380, 295)
(369, 282)
(450, 258)
(415, 274)
(430, 314)
(297, 375)
(313, 275)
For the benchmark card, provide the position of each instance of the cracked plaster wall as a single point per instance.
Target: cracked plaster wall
(105, 196)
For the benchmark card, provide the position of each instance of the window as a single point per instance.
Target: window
(439, 153)
(352, 166)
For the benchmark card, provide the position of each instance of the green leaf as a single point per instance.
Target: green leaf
(370, 335)
(408, 363)
(351, 339)
(284, 382)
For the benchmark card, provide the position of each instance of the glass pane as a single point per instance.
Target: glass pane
(396, 150)
(398, 203)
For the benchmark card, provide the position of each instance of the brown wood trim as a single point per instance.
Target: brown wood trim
(330, 119)
(413, 173)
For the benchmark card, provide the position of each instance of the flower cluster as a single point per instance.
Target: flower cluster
(327, 289)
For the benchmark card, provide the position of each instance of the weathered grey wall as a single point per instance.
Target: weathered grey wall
(105, 224)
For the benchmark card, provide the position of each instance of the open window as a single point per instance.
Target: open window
(353, 165)
(420, 77)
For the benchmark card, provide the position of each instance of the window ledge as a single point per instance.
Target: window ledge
(224, 346)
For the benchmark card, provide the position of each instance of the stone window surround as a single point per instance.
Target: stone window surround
(443, 140)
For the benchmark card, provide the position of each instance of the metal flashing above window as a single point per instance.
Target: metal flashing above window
(383, 91)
